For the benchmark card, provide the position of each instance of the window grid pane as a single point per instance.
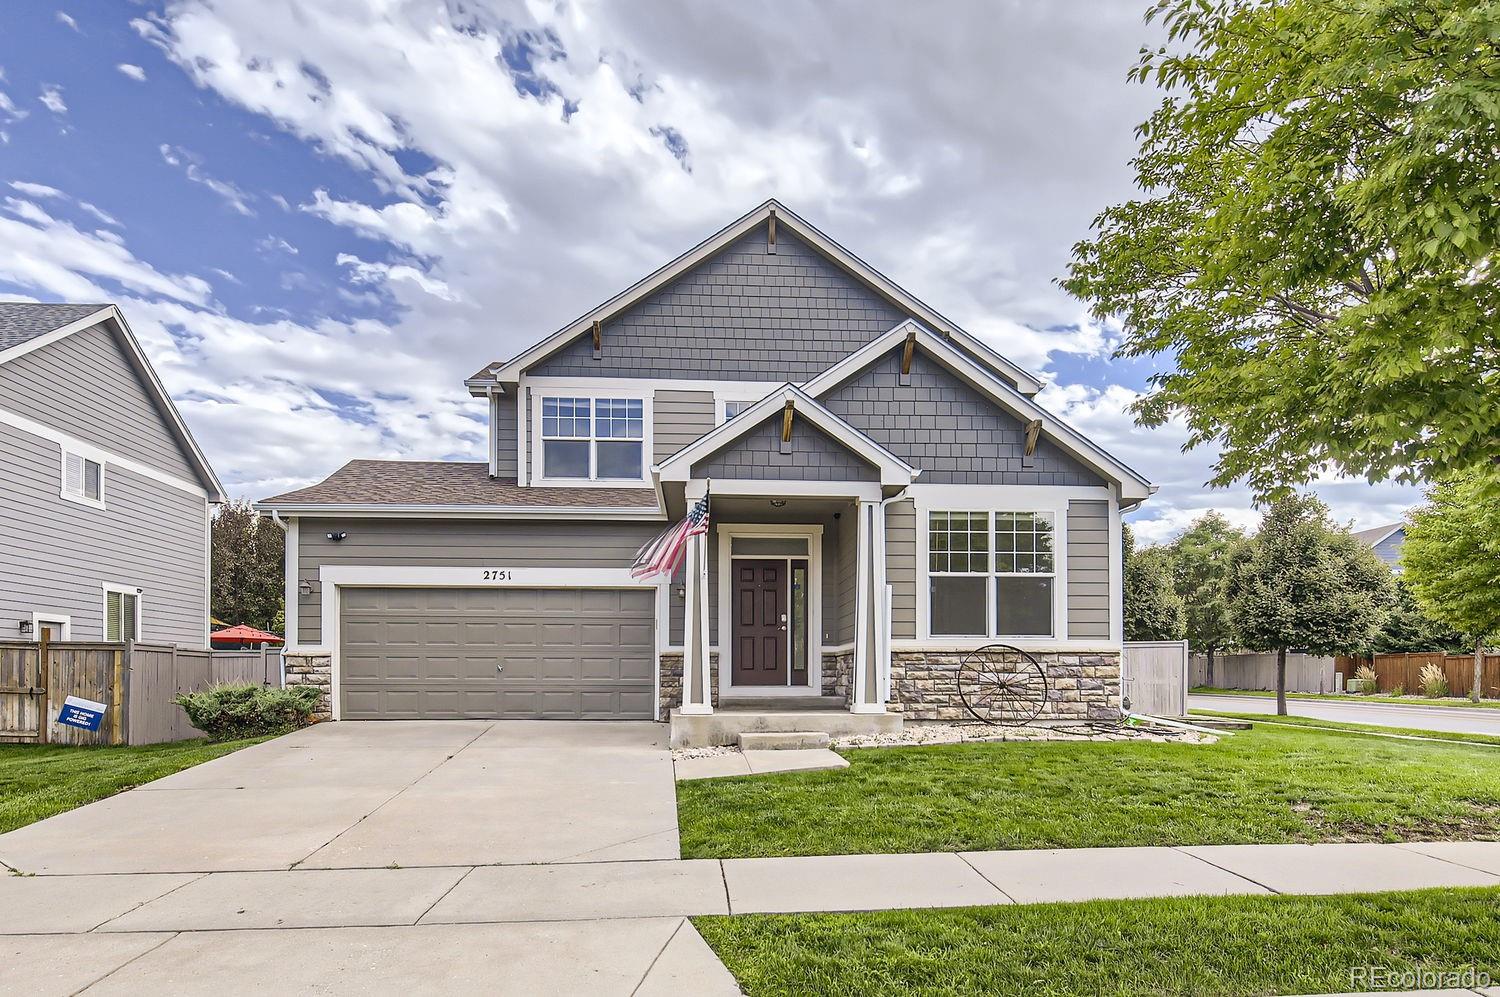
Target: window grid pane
(619, 418)
(958, 542)
(1023, 542)
(565, 418)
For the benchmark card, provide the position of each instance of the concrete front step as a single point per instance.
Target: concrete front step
(778, 740)
(725, 727)
(780, 704)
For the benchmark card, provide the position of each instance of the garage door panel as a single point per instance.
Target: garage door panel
(428, 653)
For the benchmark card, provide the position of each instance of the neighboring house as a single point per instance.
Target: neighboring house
(1386, 542)
(104, 496)
(886, 494)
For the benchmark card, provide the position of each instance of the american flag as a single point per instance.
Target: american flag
(663, 553)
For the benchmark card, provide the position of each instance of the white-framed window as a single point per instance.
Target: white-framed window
(55, 625)
(991, 573)
(730, 402)
(82, 478)
(587, 438)
(122, 613)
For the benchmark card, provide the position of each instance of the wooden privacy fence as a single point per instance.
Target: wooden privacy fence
(136, 681)
(1405, 670)
(1155, 677)
(1304, 672)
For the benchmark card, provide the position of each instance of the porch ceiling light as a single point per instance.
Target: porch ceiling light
(778, 503)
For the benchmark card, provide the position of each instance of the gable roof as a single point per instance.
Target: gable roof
(23, 321)
(22, 331)
(430, 486)
(893, 470)
(1379, 535)
(1134, 487)
(509, 370)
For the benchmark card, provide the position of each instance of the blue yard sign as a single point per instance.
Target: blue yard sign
(84, 714)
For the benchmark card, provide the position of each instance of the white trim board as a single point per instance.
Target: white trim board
(94, 452)
(38, 617)
(376, 511)
(511, 369)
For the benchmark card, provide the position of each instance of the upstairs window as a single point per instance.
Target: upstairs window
(122, 614)
(598, 439)
(990, 574)
(82, 479)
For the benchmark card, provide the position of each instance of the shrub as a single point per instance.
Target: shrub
(1364, 680)
(1434, 685)
(226, 712)
(1398, 690)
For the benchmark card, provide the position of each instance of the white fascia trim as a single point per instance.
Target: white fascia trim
(1002, 393)
(73, 444)
(799, 226)
(893, 470)
(754, 390)
(644, 513)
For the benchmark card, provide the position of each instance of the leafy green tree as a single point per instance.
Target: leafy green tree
(1451, 560)
(248, 582)
(1153, 610)
(1314, 248)
(1200, 574)
(1302, 583)
(1407, 627)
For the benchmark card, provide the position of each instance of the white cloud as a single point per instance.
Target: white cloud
(36, 189)
(52, 99)
(64, 19)
(365, 272)
(134, 72)
(236, 198)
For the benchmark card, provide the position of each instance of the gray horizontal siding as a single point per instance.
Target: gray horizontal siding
(680, 417)
(952, 432)
(901, 567)
(757, 456)
(745, 314)
(507, 425)
(55, 555)
(457, 543)
(1088, 569)
(85, 386)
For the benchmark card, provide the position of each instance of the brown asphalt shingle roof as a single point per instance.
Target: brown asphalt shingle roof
(441, 482)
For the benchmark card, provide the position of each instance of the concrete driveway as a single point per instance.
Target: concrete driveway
(422, 857)
(373, 795)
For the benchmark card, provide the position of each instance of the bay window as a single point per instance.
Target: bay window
(599, 439)
(991, 574)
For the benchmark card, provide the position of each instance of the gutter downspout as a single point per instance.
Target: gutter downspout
(281, 654)
(885, 638)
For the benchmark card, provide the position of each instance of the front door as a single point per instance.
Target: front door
(760, 622)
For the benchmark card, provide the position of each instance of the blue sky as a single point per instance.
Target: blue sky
(320, 215)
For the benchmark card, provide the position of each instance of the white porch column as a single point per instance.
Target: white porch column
(870, 647)
(696, 695)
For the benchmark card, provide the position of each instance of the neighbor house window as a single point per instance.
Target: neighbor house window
(593, 438)
(990, 574)
(733, 408)
(122, 615)
(82, 479)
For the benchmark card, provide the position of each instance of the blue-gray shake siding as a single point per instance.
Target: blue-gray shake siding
(56, 555)
(812, 455)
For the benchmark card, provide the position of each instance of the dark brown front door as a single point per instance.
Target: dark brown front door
(760, 622)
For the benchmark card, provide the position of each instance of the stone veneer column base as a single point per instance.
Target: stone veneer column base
(838, 672)
(669, 682)
(314, 669)
(1082, 686)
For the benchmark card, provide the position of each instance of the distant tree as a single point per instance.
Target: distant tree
(1153, 610)
(1451, 560)
(248, 568)
(1303, 583)
(1200, 574)
(1314, 247)
(1408, 627)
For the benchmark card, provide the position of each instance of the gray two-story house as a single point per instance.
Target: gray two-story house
(885, 495)
(105, 498)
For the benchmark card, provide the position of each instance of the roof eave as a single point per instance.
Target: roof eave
(378, 509)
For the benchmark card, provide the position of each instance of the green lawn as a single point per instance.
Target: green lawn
(1194, 945)
(1484, 704)
(1269, 784)
(37, 781)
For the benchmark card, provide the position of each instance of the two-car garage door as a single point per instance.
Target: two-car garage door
(413, 653)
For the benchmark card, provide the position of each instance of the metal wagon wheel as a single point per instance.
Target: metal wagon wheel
(1002, 684)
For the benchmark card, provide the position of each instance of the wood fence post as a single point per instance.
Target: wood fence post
(43, 680)
(117, 700)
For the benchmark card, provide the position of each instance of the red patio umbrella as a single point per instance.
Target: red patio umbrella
(243, 635)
